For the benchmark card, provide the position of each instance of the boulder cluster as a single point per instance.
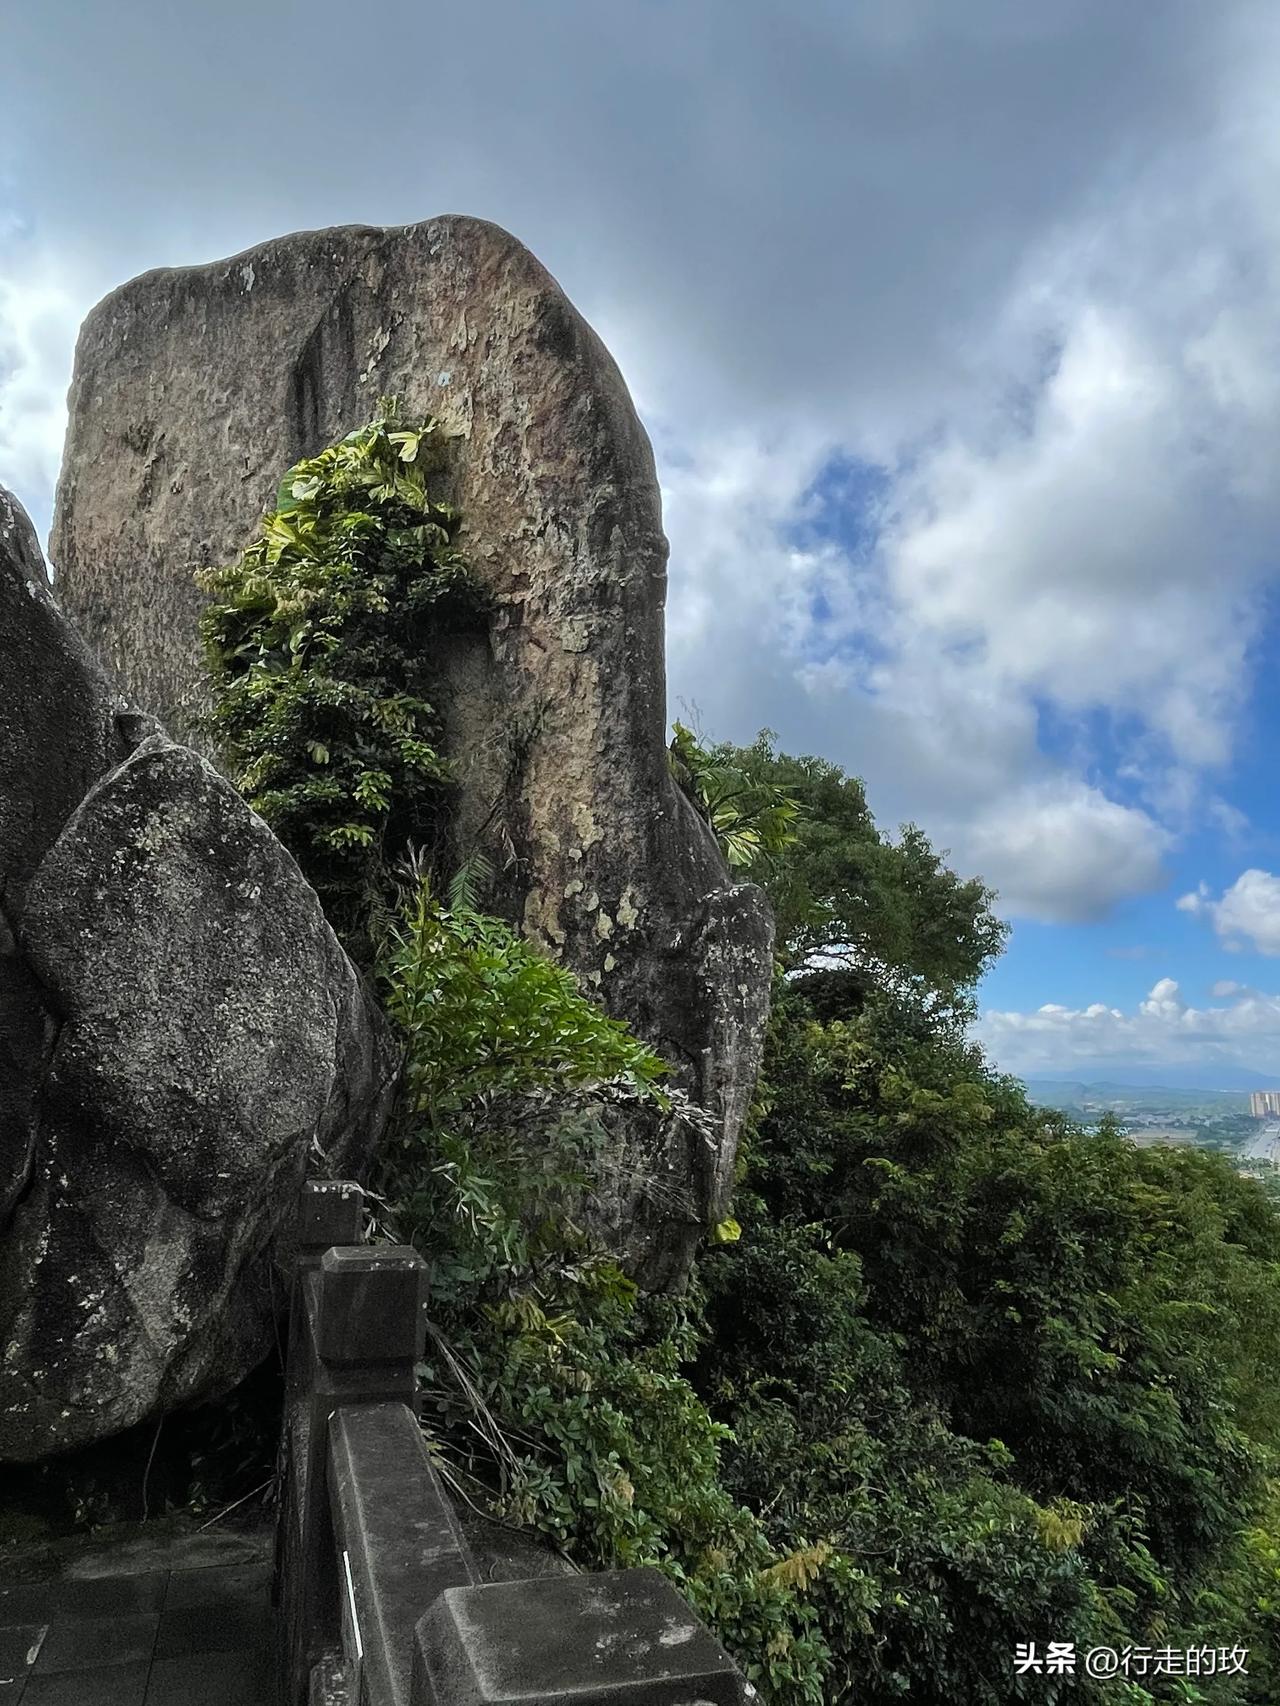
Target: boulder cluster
(182, 1037)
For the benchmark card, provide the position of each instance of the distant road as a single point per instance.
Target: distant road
(1266, 1145)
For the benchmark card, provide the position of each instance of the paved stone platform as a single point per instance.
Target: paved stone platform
(164, 1637)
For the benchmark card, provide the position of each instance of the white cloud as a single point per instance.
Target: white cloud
(1248, 913)
(1163, 1031)
(1230, 820)
(1084, 526)
(39, 314)
(1084, 556)
(1061, 851)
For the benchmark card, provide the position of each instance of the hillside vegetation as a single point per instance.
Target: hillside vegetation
(958, 1375)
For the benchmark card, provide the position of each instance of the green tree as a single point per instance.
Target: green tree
(1018, 1377)
(887, 914)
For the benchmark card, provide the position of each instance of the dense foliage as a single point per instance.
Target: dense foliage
(889, 914)
(552, 1392)
(971, 1376)
(320, 642)
(1023, 1375)
(751, 817)
(946, 1266)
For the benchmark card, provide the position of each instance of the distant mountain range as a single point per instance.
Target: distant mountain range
(1163, 1092)
(1207, 1080)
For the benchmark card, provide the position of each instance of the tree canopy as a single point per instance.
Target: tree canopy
(888, 913)
(1019, 1379)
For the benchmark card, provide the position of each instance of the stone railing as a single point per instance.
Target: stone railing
(378, 1601)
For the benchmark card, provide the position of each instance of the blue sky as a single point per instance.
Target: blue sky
(957, 332)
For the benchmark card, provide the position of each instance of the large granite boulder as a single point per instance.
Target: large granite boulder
(180, 1033)
(195, 389)
(61, 727)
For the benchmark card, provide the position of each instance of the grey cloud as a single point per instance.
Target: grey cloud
(808, 209)
(878, 227)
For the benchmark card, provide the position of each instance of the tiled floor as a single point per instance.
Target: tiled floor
(186, 1637)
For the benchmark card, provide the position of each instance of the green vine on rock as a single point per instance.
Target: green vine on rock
(320, 642)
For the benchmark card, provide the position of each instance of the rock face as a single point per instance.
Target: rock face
(195, 389)
(178, 1028)
(61, 727)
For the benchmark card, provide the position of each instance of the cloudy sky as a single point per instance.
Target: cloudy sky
(957, 331)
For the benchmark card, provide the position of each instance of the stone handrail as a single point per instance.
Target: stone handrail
(377, 1597)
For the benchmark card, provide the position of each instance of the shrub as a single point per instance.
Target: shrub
(320, 643)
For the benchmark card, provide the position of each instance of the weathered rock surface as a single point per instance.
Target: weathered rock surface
(61, 727)
(178, 1028)
(195, 389)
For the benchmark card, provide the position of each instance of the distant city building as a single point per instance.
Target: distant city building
(1265, 1104)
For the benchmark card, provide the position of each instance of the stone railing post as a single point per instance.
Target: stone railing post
(370, 1323)
(357, 1327)
(378, 1604)
(622, 1636)
(330, 1212)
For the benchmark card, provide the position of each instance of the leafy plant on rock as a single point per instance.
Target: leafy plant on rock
(553, 1393)
(752, 819)
(320, 643)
